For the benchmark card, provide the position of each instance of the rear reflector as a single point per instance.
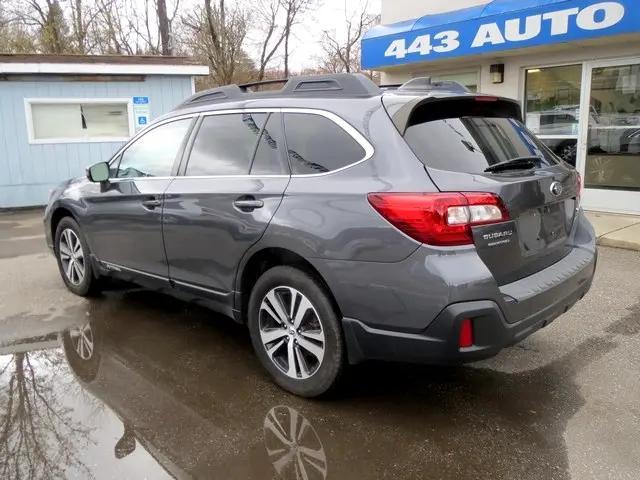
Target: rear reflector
(466, 334)
(443, 219)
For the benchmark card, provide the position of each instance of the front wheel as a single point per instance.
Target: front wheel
(72, 254)
(295, 331)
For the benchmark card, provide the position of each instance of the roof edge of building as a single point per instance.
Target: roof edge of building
(100, 64)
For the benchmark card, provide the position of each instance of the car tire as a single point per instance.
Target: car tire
(70, 248)
(310, 333)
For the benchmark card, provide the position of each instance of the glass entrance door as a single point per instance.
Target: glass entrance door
(610, 153)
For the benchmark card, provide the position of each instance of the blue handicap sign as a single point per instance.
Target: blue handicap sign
(140, 100)
(142, 120)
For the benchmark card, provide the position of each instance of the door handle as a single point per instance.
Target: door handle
(151, 203)
(248, 203)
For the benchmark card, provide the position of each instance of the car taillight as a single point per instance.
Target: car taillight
(443, 219)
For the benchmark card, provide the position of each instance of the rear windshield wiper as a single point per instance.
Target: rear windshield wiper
(517, 163)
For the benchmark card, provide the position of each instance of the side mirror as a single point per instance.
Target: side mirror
(98, 172)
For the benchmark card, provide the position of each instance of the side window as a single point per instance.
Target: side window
(316, 144)
(267, 160)
(225, 144)
(153, 154)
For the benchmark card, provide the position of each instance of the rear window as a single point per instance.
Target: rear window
(316, 144)
(471, 144)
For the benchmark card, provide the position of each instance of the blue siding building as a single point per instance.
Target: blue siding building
(59, 114)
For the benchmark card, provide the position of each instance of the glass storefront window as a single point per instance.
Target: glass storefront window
(613, 152)
(553, 107)
(468, 79)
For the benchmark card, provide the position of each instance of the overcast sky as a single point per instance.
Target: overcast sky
(329, 15)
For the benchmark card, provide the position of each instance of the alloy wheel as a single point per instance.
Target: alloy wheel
(291, 332)
(71, 256)
(82, 340)
(293, 445)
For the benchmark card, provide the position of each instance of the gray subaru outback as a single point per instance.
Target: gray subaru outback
(340, 221)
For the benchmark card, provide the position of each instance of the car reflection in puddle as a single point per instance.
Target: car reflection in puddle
(293, 445)
(56, 384)
(136, 385)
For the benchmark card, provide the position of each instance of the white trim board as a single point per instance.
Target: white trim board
(103, 69)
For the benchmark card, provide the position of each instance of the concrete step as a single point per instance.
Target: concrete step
(615, 230)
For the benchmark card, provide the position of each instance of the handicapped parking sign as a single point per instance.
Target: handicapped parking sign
(141, 111)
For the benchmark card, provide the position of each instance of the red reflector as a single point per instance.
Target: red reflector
(432, 218)
(466, 333)
(485, 98)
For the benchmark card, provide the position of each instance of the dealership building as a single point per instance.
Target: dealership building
(574, 65)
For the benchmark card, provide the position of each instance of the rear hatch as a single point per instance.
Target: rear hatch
(479, 144)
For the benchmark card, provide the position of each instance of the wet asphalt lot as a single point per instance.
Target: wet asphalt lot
(136, 385)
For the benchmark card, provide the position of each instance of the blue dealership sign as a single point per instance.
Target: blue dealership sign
(498, 26)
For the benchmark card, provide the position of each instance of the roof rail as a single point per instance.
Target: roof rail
(347, 85)
(212, 95)
(245, 86)
(335, 84)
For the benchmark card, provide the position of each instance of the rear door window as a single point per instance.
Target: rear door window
(471, 144)
(316, 144)
(268, 159)
(225, 144)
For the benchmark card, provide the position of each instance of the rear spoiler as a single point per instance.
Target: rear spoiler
(424, 109)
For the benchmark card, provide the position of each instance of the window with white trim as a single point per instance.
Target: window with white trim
(77, 121)
(468, 79)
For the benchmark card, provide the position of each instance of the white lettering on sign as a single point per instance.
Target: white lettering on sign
(532, 28)
(421, 45)
(612, 13)
(446, 42)
(597, 16)
(396, 49)
(560, 20)
(594, 17)
(488, 33)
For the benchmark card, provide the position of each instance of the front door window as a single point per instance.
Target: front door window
(154, 154)
(613, 143)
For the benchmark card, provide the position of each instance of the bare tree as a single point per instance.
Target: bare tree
(163, 27)
(38, 436)
(115, 34)
(292, 9)
(84, 17)
(343, 54)
(216, 33)
(268, 14)
(14, 37)
(47, 17)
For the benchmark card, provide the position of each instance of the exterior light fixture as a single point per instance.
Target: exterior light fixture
(497, 73)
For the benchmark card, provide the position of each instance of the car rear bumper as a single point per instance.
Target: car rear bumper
(526, 306)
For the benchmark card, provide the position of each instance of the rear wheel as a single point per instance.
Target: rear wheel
(73, 258)
(295, 331)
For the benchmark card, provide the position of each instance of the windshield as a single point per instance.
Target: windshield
(471, 144)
